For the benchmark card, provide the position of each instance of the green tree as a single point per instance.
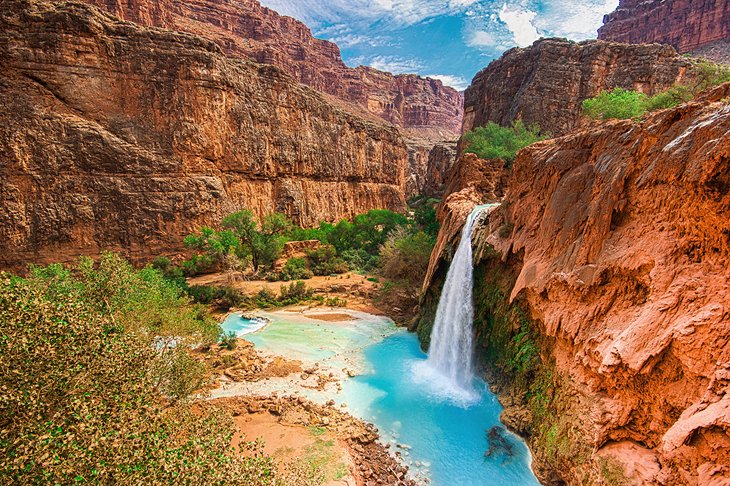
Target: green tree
(263, 244)
(497, 142)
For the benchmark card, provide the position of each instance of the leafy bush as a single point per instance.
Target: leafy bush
(324, 261)
(266, 298)
(619, 104)
(295, 269)
(335, 302)
(294, 293)
(89, 395)
(223, 297)
(624, 104)
(360, 260)
(497, 142)
(405, 257)
(425, 217)
(229, 340)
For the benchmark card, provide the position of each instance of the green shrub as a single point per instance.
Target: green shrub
(335, 302)
(229, 340)
(95, 376)
(618, 104)
(295, 269)
(224, 297)
(324, 261)
(294, 293)
(265, 298)
(497, 142)
(405, 257)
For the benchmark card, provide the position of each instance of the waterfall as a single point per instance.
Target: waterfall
(450, 354)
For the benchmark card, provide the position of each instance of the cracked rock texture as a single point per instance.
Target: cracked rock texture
(119, 137)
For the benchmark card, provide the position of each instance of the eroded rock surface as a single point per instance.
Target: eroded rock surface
(690, 26)
(621, 238)
(546, 83)
(119, 137)
(243, 28)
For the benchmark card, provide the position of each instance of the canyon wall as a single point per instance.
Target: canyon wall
(546, 83)
(243, 28)
(603, 298)
(691, 26)
(118, 137)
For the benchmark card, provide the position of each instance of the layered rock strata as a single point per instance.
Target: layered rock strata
(243, 28)
(690, 26)
(119, 137)
(603, 299)
(546, 83)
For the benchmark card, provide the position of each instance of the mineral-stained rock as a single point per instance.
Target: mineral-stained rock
(621, 247)
(115, 136)
(546, 83)
(688, 25)
(243, 28)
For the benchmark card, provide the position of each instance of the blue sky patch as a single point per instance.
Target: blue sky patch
(446, 39)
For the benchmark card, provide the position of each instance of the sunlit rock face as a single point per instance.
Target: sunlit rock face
(546, 83)
(245, 29)
(616, 243)
(119, 137)
(701, 27)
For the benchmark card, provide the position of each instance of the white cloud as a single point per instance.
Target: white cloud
(395, 64)
(574, 20)
(456, 82)
(481, 38)
(520, 22)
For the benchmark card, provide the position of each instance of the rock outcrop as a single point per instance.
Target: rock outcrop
(546, 83)
(440, 160)
(690, 26)
(243, 28)
(118, 137)
(603, 299)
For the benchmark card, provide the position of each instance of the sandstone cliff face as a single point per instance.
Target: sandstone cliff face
(546, 83)
(690, 26)
(114, 136)
(243, 28)
(441, 159)
(612, 256)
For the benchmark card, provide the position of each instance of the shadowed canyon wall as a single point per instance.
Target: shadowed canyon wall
(115, 136)
(243, 28)
(699, 27)
(546, 83)
(603, 298)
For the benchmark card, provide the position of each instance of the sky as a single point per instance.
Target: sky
(449, 40)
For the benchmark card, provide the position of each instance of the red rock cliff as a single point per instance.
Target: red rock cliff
(547, 82)
(244, 28)
(694, 26)
(618, 239)
(115, 136)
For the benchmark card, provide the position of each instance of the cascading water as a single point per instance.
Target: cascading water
(450, 354)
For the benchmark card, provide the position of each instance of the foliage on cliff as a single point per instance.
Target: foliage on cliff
(623, 104)
(496, 142)
(95, 379)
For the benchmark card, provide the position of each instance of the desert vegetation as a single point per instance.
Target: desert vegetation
(497, 142)
(623, 104)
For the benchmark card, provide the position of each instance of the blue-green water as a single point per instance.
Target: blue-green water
(443, 433)
(450, 437)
